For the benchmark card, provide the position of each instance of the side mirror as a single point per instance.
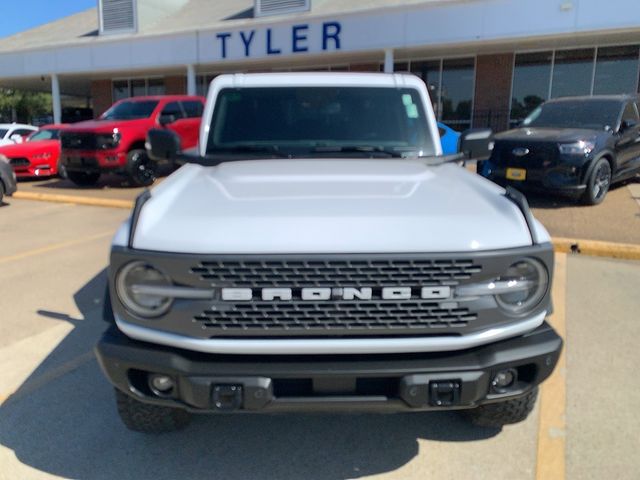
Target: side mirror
(16, 138)
(166, 119)
(628, 124)
(162, 145)
(476, 143)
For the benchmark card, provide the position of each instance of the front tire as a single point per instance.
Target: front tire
(497, 415)
(83, 179)
(598, 183)
(141, 169)
(146, 418)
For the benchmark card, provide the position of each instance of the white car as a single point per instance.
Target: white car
(11, 133)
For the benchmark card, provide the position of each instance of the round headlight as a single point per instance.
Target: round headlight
(132, 286)
(524, 284)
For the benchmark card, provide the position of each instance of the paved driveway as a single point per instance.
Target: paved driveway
(58, 419)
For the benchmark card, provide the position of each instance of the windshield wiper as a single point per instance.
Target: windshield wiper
(358, 149)
(270, 149)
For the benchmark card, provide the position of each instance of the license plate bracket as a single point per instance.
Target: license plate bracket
(518, 174)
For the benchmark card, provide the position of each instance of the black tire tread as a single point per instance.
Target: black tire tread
(146, 418)
(496, 415)
(587, 197)
(134, 179)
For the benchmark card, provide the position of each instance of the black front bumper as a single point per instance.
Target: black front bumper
(408, 382)
(562, 179)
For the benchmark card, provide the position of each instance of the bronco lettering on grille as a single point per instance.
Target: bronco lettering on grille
(347, 293)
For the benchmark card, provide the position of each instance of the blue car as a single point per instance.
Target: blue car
(448, 138)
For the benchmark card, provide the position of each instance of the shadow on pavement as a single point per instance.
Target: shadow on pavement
(63, 421)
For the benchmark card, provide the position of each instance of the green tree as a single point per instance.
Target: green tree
(21, 106)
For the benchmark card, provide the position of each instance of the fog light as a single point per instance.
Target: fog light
(161, 383)
(504, 379)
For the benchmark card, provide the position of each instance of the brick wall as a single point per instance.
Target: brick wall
(175, 85)
(101, 95)
(493, 88)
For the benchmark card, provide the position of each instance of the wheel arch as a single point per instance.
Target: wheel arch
(609, 156)
(136, 145)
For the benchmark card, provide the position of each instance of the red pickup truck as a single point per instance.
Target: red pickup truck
(115, 141)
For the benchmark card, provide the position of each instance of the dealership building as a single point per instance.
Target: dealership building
(486, 62)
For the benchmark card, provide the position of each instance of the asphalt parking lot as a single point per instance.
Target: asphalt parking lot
(58, 420)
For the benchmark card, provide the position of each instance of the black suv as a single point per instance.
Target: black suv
(576, 146)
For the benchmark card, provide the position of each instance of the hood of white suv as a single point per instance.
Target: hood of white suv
(328, 206)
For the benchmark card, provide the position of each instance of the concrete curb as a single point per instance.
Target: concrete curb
(78, 200)
(597, 248)
(564, 245)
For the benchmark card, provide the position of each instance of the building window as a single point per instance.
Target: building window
(588, 71)
(616, 70)
(202, 84)
(456, 92)
(531, 77)
(137, 87)
(430, 73)
(120, 90)
(572, 72)
(451, 84)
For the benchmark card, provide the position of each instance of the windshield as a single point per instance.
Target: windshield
(130, 110)
(45, 135)
(591, 114)
(316, 121)
(3, 132)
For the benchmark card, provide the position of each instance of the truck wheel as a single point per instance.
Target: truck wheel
(598, 182)
(141, 169)
(496, 415)
(83, 179)
(146, 418)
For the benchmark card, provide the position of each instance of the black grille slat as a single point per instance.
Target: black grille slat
(19, 162)
(78, 141)
(333, 273)
(305, 316)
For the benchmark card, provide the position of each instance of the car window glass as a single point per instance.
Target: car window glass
(173, 108)
(22, 132)
(193, 109)
(3, 132)
(630, 112)
(44, 135)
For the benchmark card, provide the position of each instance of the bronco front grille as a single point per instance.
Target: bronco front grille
(298, 317)
(19, 162)
(78, 141)
(322, 317)
(332, 273)
(271, 295)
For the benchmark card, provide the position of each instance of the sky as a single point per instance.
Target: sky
(21, 15)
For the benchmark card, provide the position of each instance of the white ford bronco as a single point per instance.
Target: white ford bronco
(318, 252)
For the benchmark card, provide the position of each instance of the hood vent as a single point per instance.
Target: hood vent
(117, 16)
(280, 7)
